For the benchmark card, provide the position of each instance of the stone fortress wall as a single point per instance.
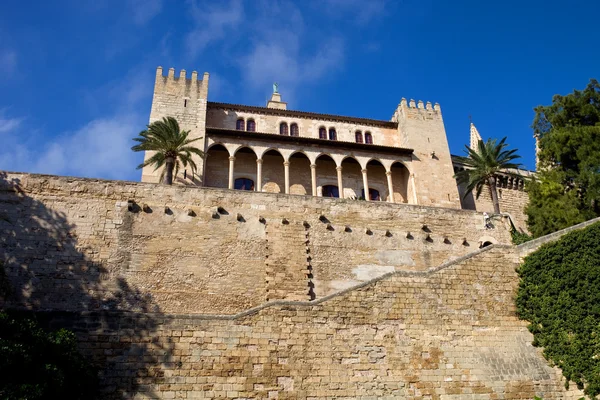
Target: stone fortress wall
(200, 250)
(186, 292)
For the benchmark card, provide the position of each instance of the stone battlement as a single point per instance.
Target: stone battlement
(182, 75)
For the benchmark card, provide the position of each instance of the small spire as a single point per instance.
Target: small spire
(475, 137)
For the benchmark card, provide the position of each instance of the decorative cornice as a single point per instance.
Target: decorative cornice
(302, 114)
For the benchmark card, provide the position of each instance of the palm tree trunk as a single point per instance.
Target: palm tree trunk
(169, 165)
(494, 194)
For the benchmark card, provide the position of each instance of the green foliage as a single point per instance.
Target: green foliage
(567, 190)
(171, 146)
(519, 237)
(559, 294)
(580, 108)
(483, 164)
(551, 206)
(36, 364)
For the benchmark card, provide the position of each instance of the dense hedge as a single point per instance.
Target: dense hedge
(37, 364)
(559, 295)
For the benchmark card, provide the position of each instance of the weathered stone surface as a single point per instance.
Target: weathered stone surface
(178, 301)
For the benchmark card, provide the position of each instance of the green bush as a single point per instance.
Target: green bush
(519, 237)
(559, 294)
(36, 364)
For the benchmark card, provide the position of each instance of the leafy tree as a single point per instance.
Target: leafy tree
(171, 146)
(567, 190)
(580, 108)
(559, 294)
(36, 364)
(483, 165)
(552, 204)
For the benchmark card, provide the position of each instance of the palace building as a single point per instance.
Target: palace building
(273, 149)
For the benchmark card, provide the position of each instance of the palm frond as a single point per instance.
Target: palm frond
(484, 162)
(166, 138)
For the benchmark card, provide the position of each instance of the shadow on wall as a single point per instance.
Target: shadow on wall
(46, 273)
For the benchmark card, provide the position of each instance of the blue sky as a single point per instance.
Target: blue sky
(76, 77)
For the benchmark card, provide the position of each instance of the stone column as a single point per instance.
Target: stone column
(340, 184)
(414, 189)
(258, 185)
(388, 174)
(286, 167)
(313, 178)
(366, 184)
(231, 166)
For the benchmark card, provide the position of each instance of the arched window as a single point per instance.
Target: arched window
(331, 191)
(294, 130)
(322, 133)
(251, 125)
(239, 125)
(368, 138)
(244, 184)
(283, 128)
(358, 136)
(373, 194)
(332, 134)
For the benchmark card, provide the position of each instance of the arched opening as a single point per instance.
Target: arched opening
(251, 125)
(239, 125)
(377, 179)
(373, 194)
(245, 166)
(283, 128)
(244, 184)
(216, 170)
(351, 178)
(400, 183)
(273, 172)
(368, 138)
(326, 173)
(294, 131)
(486, 241)
(300, 182)
(332, 134)
(322, 133)
(358, 136)
(331, 191)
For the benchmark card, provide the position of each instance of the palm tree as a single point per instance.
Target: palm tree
(483, 164)
(171, 145)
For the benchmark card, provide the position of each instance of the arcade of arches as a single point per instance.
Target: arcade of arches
(270, 171)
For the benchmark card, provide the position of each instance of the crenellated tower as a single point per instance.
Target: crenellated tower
(421, 127)
(185, 99)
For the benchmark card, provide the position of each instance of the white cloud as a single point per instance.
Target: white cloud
(144, 10)
(274, 61)
(281, 47)
(8, 124)
(211, 23)
(100, 149)
(8, 61)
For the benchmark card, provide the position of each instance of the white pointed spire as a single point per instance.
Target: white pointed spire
(475, 137)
